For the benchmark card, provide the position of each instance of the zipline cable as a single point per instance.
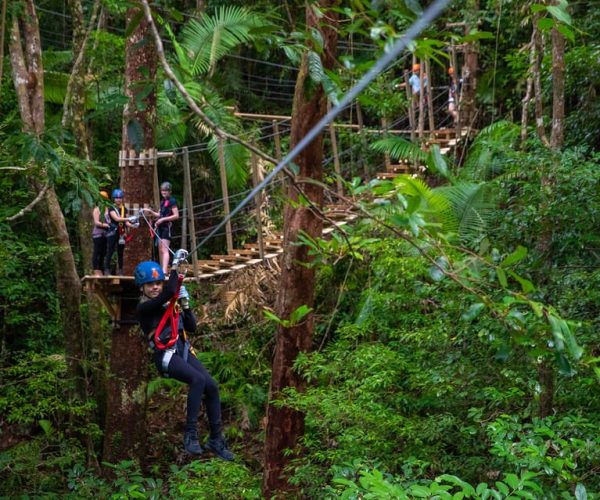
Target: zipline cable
(433, 11)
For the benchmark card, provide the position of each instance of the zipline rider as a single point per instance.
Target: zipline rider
(165, 316)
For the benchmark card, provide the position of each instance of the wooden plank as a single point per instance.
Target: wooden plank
(242, 251)
(232, 258)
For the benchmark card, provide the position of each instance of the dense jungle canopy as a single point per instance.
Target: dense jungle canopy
(427, 323)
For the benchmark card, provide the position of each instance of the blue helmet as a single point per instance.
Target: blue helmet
(117, 193)
(147, 272)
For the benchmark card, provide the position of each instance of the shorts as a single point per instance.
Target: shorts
(163, 231)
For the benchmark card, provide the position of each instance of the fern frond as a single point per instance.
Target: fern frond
(399, 149)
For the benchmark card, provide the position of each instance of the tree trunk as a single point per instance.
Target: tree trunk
(28, 77)
(285, 426)
(74, 119)
(469, 75)
(538, 50)
(527, 98)
(125, 428)
(558, 90)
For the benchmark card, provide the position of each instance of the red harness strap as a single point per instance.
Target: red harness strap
(172, 315)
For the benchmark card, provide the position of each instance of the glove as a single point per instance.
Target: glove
(136, 225)
(133, 219)
(183, 293)
(180, 256)
(184, 298)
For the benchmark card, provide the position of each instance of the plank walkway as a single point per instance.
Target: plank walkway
(221, 265)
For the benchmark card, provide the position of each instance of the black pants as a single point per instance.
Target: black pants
(201, 384)
(99, 253)
(112, 244)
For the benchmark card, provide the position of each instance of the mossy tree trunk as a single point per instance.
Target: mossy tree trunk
(126, 395)
(28, 78)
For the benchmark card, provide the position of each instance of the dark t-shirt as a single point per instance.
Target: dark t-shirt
(166, 206)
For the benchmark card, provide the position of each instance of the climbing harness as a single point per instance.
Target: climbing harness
(171, 315)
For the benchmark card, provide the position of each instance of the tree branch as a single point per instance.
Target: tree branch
(191, 103)
(29, 207)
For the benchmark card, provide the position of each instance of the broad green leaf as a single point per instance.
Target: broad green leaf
(519, 254)
(566, 32)
(436, 161)
(502, 277)
(298, 315)
(46, 426)
(560, 14)
(559, 340)
(545, 24)
(502, 487)
(526, 285)
(512, 480)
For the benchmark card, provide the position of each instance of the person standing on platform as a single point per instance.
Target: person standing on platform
(162, 226)
(101, 225)
(115, 236)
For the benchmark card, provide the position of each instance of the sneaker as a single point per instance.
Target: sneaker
(218, 446)
(191, 444)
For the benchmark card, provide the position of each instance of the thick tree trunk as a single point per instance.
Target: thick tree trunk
(558, 90)
(28, 77)
(285, 426)
(126, 393)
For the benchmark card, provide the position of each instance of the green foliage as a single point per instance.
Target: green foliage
(373, 484)
(36, 388)
(198, 479)
(30, 309)
(38, 467)
(561, 449)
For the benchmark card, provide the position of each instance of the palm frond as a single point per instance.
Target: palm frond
(236, 162)
(485, 157)
(399, 149)
(57, 59)
(213, 36)
(172, 129)
(473, 207)
(55, 86)
(436, 207)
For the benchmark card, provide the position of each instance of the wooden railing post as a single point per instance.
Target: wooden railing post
(429, 99)
(258, 204)
(361, 133)
(411, 107)
(384, 126)
(187, 190)
(421, 101)
(225, 191)
(277, 139)
(336, 158)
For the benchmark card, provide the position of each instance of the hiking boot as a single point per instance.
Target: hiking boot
(191, 444)
(218, 446)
